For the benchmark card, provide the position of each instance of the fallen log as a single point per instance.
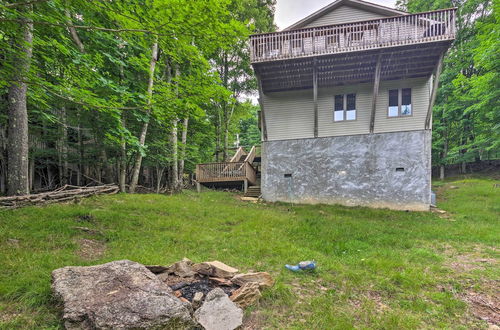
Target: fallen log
(62, 194)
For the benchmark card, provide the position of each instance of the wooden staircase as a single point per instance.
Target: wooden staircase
(241, 171)
(253, 191)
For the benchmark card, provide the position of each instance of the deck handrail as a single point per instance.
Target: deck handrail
(225, 171)
(363, 35)
(251, 155)
(240, 152)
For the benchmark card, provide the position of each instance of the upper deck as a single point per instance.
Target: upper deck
(421, 28)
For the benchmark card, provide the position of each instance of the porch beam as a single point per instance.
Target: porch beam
(435, 85)
(376, 84)
(315, 96)
(261, 103)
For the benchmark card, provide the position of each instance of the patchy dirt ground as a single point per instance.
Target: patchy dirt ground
(89, 249)
(484, 303)
(481, 295)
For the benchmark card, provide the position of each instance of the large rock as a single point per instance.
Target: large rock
(218, 312)
(215, 269)
(248, 294)
(182, 268)
(119, 294)
(263, 279)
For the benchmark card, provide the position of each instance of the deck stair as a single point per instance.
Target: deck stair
(253, 191)
(240, 171)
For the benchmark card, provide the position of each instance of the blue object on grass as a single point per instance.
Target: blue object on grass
(303, 265)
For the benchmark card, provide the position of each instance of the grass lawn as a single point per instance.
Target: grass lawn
(377, 268)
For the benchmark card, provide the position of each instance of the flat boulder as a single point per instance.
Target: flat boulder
(247, 295)
(119, 294)
(182, 268)
(215, 269)
(218, 312)
(262, 278)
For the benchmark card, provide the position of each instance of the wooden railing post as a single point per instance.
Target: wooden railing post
(398, 30)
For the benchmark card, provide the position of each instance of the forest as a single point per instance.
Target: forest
(137, 93)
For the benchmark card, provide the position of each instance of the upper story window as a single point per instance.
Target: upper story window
(399, 102)
(344, 107)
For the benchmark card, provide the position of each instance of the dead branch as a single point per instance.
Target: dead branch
(62, 194)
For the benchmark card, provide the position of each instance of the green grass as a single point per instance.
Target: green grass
(377, 268)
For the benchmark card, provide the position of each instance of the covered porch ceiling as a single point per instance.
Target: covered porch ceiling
(350, 68)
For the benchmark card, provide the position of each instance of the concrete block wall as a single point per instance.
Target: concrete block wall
(385, 170)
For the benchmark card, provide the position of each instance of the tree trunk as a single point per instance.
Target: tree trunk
(182, 155)
(3, 160)
(31, 173)
(74, 34)
(81, 154)
(225, 116)
(217, 136)
(63, 149)
(175, 156)
(17, 145)
(142, 139)
(123, 161)
(159, 176)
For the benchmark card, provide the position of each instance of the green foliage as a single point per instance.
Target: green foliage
(467, 110)
(249, 128)
(377, 268)
(102, 85)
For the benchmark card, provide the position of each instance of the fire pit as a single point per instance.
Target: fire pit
(189, 281)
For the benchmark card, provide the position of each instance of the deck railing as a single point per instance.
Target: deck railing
(227, 171)
(378, 33)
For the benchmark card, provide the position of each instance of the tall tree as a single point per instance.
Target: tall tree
(17, 146)
(465, 115)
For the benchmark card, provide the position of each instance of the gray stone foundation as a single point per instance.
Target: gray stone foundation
(387, 170)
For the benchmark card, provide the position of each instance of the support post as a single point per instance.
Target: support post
(376, 84)
(245, 186)
(261, 103)
(198, 187)
(435, 85)
(315, 95)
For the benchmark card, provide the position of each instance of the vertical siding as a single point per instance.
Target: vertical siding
(290, 115)
(344, 14)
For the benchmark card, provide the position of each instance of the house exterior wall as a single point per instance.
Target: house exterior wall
(290, 115)
(352, 170)
(344, 14)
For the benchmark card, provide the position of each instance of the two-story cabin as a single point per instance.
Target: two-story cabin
(346, 99)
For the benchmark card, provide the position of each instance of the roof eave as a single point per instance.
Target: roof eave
(355, 3)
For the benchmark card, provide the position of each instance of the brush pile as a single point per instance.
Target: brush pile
(62, 194)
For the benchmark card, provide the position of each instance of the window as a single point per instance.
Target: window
(393, 103)
(344, 107)
(406, 102)
(339, 108)
(351, 107)
(399, 103)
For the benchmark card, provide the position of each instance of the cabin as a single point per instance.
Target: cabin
(346, 98)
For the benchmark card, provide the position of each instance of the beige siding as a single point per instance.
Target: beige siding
(326, 125)
(420, 95)
(290, 115)
(344, 14)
